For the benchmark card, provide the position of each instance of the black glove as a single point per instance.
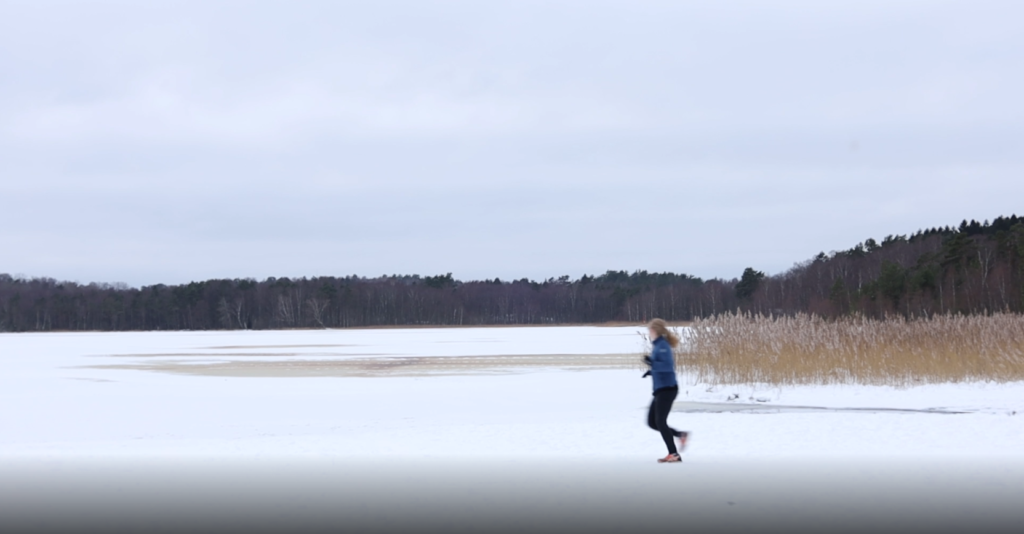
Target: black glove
(647, 374)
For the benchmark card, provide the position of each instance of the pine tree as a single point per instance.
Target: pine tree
(748, 284)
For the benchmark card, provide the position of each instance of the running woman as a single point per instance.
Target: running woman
(663, 375)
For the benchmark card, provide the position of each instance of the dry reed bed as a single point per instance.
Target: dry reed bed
(806, 349)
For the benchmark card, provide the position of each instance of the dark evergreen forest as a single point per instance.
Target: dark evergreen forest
(973, 268)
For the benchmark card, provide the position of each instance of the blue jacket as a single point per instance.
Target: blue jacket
(663, 364)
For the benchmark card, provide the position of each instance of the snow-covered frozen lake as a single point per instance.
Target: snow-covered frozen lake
(558, 392)
(516, 396)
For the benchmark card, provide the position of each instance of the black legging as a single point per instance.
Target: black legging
(657, 416)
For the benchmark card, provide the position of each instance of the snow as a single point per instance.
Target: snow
(391, 430)
(57, 400)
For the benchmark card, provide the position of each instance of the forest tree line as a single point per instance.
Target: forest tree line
(973, 268)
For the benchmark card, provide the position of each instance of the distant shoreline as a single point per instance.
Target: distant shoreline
(612, 324)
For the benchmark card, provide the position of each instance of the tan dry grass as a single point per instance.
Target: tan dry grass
(379, 366)
(806, 349)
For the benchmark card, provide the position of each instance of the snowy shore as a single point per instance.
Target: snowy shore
(563, 392)
(567, 396)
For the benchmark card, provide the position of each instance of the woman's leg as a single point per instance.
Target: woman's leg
(661, 406)
(652, 414)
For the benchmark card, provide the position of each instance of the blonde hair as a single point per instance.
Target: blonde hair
(660, 327)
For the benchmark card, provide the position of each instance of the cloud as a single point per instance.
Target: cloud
(161, 141)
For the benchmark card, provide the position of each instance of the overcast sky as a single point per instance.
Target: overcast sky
(146, 142)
